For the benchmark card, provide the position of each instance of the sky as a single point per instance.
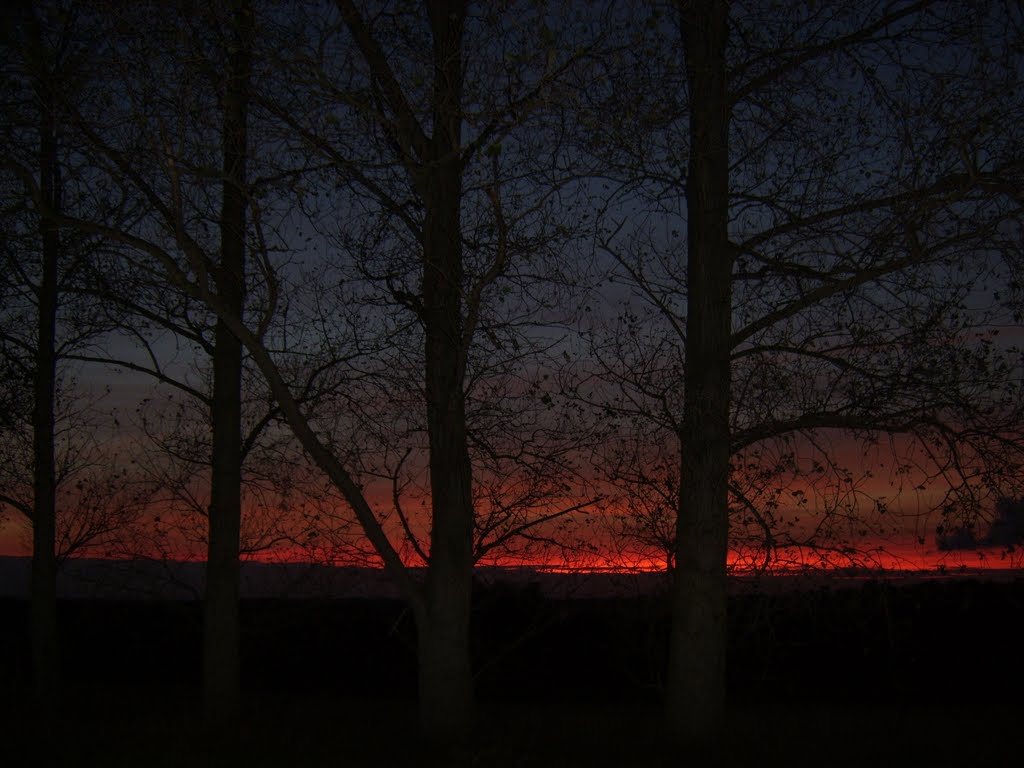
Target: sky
(307, 240)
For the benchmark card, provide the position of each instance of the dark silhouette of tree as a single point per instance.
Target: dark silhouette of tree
(425, 160)
(221, 621)
(960, 537)
(218, 56)
(821, 212)
(115, 287)
(45, 319)
(45, 663)
(1007, 527)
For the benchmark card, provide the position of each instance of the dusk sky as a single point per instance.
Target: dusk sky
(581, 209)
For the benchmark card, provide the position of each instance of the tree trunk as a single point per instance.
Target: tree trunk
(696, 683)
(446, 686)
(445, 674)
(221, 625)
(45, 661)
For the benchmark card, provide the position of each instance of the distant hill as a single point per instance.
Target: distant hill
(167, 580)
(88, 579)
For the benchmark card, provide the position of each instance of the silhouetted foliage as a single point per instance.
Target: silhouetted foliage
(959, 537)
(1007, 529)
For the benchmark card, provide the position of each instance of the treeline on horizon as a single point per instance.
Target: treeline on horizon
(437, 285)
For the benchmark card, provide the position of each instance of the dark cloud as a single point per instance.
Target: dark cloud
(1006, 529)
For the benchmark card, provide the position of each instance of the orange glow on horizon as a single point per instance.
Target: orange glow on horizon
(603, 550)
(887, 557)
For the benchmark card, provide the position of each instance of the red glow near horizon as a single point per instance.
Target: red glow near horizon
(897, 553)
(885, 557)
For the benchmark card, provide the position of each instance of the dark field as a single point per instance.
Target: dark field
(916, 674)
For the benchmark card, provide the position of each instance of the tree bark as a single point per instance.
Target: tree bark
(445, 679)
(445, 674)
(696, 682)
(45, 660)
(221, 622)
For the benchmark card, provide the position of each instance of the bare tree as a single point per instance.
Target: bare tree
(44, 317)
(827, 206)
(430, 124)
(218, 69)
(418, 173)
(221, 622)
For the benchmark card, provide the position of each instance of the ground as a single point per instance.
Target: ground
(314, 732)
(922, 675)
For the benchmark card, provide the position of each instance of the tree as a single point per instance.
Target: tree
(696, 677)
(1007, 529)
(43, 277)
(425, 179)
(849, 200)
(392, 128)
(221, 621)
(221, 68)
(423, 121)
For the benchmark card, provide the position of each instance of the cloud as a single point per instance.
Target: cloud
(1006, 529)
